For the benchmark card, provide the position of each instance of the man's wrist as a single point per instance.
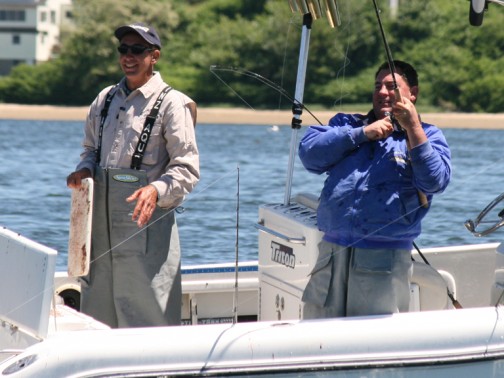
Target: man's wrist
(157, 192)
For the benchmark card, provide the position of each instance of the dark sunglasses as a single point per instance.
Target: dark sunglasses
(134, 49)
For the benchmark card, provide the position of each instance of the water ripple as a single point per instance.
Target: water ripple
(39, 155)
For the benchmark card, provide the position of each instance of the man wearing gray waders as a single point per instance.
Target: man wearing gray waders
(140, 148)
(383, 169)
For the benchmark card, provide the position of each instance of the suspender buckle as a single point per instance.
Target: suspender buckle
(136, 161)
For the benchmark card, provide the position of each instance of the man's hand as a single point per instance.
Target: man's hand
(74, 179)
(146, 198)
(406, 114)
(379, 129)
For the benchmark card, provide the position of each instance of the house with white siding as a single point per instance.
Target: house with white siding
(30, 30)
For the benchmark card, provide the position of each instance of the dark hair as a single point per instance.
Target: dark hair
(404, 69)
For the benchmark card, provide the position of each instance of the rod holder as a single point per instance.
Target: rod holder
(293, 6)
(302, 6)
(315, 9)
(332, 13)
(318, 8)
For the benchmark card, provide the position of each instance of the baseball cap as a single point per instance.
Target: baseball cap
(148, 33)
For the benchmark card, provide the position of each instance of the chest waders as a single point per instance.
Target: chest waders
(135, 278)
(349, 281)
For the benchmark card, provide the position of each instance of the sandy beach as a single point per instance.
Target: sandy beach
(249, 116)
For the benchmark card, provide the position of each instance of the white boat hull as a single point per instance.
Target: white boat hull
(467, 342)
(458, 343)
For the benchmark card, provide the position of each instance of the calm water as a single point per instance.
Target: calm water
(37, 156)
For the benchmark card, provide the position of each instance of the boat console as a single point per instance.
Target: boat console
(288, 250)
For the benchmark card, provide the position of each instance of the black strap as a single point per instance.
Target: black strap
(103, 117)
(137, 157)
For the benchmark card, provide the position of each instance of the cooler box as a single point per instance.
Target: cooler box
(288, 250)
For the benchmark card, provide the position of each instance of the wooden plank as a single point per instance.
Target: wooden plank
(79, 239)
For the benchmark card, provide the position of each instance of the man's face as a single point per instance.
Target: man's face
(384, 96)
(137, 67)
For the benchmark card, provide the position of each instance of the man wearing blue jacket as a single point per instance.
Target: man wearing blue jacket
(382, 171)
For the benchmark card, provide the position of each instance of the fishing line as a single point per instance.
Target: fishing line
(345, 30)
(498, 302)
(450, 295)
(285, 57)
(346, 63)
(227, 85)
(262, 79)
(283, 93)
(455, 302)
(255, 76)
(195, 195)
(483, 170)
(271, 84)
(422, 197)
(415, 209)
(389, 54)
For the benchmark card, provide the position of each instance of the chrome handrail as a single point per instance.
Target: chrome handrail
(472, 225)
(260, 226)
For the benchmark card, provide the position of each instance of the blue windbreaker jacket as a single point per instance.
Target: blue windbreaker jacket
(370, 197)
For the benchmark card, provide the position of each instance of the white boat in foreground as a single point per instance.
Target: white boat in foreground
(465, 343)
(42, 337)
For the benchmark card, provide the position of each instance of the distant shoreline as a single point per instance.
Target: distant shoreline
(238, 116)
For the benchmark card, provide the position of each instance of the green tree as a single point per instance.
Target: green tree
(89, 56)
(459, 65)
(29, 85)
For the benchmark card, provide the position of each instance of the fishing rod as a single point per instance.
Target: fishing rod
(398, 98)
(421, 196)
(388, 53)
(235, 296)
(311, 10)
(195, 195)
(391, 65)
(262, 79)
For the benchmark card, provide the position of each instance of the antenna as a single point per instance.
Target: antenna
(235, 297)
